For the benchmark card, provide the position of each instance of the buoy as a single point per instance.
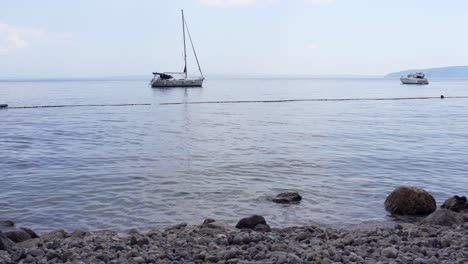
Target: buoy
(442, 96)
(3, 105)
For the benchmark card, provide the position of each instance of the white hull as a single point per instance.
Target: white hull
(405, 80)
(196, 82)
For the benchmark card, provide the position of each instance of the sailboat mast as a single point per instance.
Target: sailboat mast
(185, 49)
(193, 48)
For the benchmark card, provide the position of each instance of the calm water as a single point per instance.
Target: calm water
(144, 166)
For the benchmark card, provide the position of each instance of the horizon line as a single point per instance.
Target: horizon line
(212, 75)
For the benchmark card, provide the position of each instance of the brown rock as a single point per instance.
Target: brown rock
(410, 201)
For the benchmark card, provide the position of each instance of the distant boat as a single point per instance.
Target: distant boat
(415, 78)
(166, 79)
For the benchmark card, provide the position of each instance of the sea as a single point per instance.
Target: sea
(104, 164)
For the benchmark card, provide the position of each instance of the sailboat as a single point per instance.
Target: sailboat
(166, 79)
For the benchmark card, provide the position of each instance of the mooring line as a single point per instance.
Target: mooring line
(244, 101)
(77, 105)
(317, 100)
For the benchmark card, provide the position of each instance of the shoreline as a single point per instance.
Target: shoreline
(216, 242)
(434, 235)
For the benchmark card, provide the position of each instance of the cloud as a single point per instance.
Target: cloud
(320, 2)
(227, 2)
(15, 37)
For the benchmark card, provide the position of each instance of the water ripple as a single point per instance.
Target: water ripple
(93, 168)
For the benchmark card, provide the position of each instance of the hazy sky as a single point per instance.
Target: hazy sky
(56, 38)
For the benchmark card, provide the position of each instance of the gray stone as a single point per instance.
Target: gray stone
(6, 244)
(455, 203)
(410, 201)
(446, 240)
(303, 235)
(211, 223)
(78, 234)
(419, 261)
(138, 260)
(444, 217)
(230, 254)
(4, 257)
(348, 239)
(35, 252)
(242, 238)
(28, 244)
(389, 252)
(139, 240)
(262, 228)
(293, 258)
(57, 234)
(282, 259)
(212, 258)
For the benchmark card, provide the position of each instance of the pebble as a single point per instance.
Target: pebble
(389, 252)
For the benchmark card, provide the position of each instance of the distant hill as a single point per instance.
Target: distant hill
(455, 72)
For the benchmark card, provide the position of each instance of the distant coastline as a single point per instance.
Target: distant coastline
(452, 72)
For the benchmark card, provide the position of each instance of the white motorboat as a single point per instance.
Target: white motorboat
(415, 78)
(171, 79)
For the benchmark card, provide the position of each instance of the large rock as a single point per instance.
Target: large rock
(455, 203)
(18, 236)
(443, 217)
(287, 198)
(251, 222)
(410, 201)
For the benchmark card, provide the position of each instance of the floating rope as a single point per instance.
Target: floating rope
(246, 102)
(318, 100)
(77, 105)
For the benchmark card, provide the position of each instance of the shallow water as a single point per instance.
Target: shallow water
(145, 166)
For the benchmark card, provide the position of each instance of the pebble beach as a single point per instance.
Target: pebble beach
(438, 237)
(218, 243)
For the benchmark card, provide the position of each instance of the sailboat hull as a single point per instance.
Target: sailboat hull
(198, 82)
